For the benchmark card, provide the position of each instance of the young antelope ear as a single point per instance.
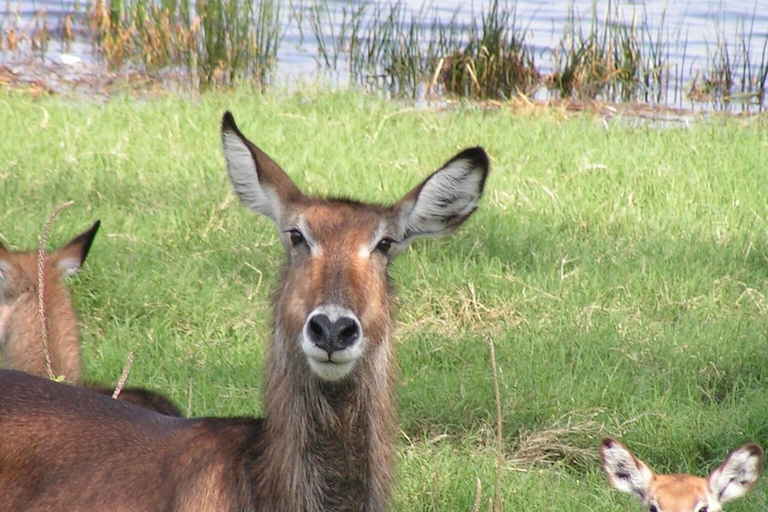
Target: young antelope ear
(446, 199)
(71, 257)
(259, 182)
(738, 474)
(625, 472)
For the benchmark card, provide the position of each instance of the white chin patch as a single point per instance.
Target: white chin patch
(330, 371)
(340, 363)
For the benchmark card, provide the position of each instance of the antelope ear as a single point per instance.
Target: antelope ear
(259, 182)
(445, 199)
(71, 257)
(625, 472)
(738, 474)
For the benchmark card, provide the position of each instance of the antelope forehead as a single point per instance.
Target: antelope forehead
(680, 492)
(346, 238)
(332, 219)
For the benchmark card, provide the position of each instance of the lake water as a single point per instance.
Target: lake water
(692, 28)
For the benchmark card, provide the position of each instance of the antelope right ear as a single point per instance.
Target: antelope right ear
(259, 182)
(445, 199)
(738, 474)
(625, 472)
(71, 257)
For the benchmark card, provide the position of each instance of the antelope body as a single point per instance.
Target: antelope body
(682, 493)
(21, 332)
(326, 441)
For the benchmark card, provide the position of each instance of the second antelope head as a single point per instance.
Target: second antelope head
(333, 298)
(21, 335)
(682, 493)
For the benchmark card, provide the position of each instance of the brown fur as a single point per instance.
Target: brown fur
(324, 445)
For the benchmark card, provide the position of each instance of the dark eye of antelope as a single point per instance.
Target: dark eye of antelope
(296, 237)
(653, 508)
(704, 509)
(384, 245)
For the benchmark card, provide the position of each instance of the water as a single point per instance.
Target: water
(693, 29)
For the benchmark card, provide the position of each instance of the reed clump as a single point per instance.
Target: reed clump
(214, 42)
(413, 53)
(730, 75)
(614, 60)
(495, 63)
(33, 37)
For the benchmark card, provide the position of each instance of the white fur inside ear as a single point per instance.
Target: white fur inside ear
(245, 178)
(624, 471)
(445, 200)
(736, 476)
(68, 266)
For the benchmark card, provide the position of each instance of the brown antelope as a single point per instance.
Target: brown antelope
(326, 441)
(21, 333)
(21, 337)
(682, 493)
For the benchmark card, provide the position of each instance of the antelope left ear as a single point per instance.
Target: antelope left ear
(258, 181)
(446, 199)
(71, 257)
(625, 472)
(738, 474)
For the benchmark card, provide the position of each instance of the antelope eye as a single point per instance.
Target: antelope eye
(704, 509)
(654, 508)
(296, 237)
(384, 245)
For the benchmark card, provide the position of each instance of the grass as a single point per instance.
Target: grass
(620, 271)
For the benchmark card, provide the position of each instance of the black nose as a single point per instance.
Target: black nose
(333, 336)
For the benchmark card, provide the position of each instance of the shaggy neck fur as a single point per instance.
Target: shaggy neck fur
(327, 445)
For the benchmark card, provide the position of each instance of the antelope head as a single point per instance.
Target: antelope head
(334, 300)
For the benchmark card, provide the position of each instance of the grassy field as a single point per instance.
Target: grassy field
(620, 270)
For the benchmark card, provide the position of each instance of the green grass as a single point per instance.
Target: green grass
(621, 271)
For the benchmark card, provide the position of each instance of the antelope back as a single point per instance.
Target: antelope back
(682, 493)
(333, 298)
(21, 337)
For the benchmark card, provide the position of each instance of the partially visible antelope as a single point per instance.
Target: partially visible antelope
(21, 331)
(682, 493)
(326, 442)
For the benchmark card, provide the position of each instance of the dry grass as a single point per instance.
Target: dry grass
(571, 440)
